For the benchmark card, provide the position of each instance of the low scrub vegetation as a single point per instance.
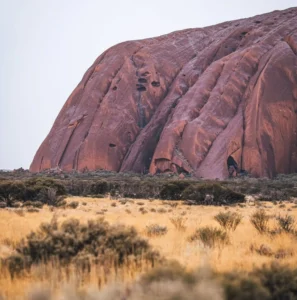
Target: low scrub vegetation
(210, 237)
(49, 187)
(228, 220)
(286, 223)
(268, 282)
(179, 223)
(259, 220)
(71, 242)
(172, 281)
(282, 223)
(173, 190)
(46, 191)
(211, 194)
(175, 282)
(154, 230)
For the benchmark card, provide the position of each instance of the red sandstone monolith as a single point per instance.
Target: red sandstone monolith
(184, 102)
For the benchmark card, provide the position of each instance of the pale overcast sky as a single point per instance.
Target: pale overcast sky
(47, 45)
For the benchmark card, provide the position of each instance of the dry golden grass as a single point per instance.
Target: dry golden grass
(239, 255)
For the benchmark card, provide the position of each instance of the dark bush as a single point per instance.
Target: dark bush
(49, 196)
(170, 271)
(173, 190)
(272, 282)
(228, 220)
(286, 223)
(211, 193)
(241, 287)
(11, 191)
(154, 230)
(78, 187)
(73, 204)
(99, 187)
(149, 188)
(36, 204)
(210, 237)
(97, 240)
(280, 188)
(41, 188)
(280, 281)
(15, 264)
(271, 194)
(259, 220)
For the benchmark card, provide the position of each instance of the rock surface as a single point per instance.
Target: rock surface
(184, 102)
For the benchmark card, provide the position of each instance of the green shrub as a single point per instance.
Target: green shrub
(170, 271)
(50, 197)
(173, 204)
(280, 281)
(259, 220)
(170, 282)
(201, 193)
(70, 240)
(286, 223)
(73, 204)
(41, 189)
(153, 230)
(61, 203)
(145, 189)
(179, 223)
(88, 187)
(32, 209)
(16, 204)
(210, 237)
(79, 187)
(11, 191)
(241, 287)
(36, 204)
(173, 190)
(273, 282)
(99, 187)
(263, 250)
(228, 220)
(15, 264)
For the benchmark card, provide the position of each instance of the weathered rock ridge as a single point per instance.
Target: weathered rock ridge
(184, 102)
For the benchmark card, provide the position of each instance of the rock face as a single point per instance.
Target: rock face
(185, 102)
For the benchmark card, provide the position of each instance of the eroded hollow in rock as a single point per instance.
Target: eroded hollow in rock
(231, 161)
(141, 88)
(232, 166)
(156, 83)
(142, 80)
(145, 73)
(112, 145)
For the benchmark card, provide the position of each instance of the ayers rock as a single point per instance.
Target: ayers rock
(184, 102)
